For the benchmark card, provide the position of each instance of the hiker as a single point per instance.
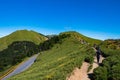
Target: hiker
(98, 53)
(94, 46)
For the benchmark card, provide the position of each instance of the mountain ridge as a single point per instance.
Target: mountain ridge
(21, 35)
(59, 56)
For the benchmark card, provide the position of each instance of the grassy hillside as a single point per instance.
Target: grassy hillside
(21, 35)
(82, 38)
(69, 51)
(112, 44)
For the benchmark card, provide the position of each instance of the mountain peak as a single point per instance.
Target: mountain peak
(21, 35)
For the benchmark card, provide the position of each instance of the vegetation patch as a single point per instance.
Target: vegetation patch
(110, 68)
(15, 53)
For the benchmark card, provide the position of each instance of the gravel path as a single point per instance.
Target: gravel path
(82, 74)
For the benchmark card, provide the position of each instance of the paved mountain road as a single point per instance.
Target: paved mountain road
(25, 65)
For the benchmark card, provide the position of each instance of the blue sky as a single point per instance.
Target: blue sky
(94, 18)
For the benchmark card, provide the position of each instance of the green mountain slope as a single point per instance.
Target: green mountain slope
(69, 50)
(83, 39)
(21, 35)
(112, 43)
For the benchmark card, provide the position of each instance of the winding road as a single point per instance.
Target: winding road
(25, 65)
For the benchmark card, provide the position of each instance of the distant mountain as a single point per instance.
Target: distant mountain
(21, 35)
(50, 36)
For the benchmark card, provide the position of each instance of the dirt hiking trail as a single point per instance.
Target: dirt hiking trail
(82, 74)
